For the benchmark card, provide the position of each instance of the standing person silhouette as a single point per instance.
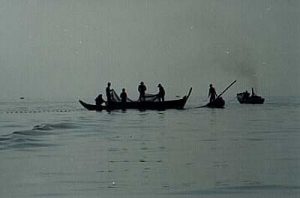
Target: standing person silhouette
(142, 90)
(123, 96)
(108, 92)
(161, 93)
(212, 93)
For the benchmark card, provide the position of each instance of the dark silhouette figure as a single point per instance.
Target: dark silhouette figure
(108, 92)
(142, 90)
(246, 95)
(252, 94)
(99, 100)
(212, 93)
(161, 93)
(123, 96)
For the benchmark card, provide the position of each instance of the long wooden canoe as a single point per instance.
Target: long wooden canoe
(144, 105)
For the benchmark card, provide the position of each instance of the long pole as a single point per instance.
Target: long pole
(226, 89)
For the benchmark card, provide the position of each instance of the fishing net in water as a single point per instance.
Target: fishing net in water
(148, 97)
(116, 98)
(151, 97)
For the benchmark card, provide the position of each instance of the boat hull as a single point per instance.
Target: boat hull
(172, 104)
(217, 103)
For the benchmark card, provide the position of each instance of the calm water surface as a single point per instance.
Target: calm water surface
(58, 149)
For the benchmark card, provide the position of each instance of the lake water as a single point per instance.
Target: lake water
(58, 149)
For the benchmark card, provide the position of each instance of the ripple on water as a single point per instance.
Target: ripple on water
(22, 140)
(30, 139)
(240, 189)
(46, 127)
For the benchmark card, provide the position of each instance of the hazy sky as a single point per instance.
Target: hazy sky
(70, 48)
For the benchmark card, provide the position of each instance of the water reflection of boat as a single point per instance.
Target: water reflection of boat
(245, 98)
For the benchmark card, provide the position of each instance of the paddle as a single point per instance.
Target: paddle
(225, 89)
(220, 94)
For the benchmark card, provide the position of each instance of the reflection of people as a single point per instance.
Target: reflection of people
(212, 93)
(99, 100)
(123, 96)
(161, 93)
(108, 92)
(142, 89)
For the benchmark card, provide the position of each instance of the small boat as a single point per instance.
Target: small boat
(217, 103)
(245, 98)
(141, 105)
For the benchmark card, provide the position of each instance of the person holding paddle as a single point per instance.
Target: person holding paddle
(212, 93)
(216, 101)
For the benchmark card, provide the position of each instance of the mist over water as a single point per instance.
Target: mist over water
(70, 49)
(53, 53)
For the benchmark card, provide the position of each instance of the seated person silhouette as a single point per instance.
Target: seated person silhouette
(99, 100)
